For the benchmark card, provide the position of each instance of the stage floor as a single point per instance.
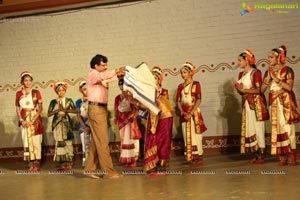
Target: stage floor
(221, 177)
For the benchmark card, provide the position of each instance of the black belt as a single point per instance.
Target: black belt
(97, 104)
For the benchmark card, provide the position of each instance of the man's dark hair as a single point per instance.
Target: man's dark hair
(97, 59)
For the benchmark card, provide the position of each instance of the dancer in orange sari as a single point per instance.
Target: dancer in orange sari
(29, 108)
(254, 107)
(279, 78)
(188, 101)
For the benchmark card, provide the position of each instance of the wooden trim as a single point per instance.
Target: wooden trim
(54, 5)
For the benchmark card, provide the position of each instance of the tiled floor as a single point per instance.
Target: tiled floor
(222, 177)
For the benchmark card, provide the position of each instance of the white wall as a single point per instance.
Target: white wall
(161, 32)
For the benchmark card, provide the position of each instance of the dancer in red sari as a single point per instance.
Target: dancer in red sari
(126, 119)
(159, 130)
(188, 101)
(279, 78)
(29, 108)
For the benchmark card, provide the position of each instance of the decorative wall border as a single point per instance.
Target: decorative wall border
(222, 66)
(167, 71)
(211, 145)
(43, 84)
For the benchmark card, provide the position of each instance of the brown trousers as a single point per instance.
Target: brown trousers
(99, 152)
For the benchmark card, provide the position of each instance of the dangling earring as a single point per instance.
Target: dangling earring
(278, 59)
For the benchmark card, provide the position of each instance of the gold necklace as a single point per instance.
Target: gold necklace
(26, 94)
(189, 88)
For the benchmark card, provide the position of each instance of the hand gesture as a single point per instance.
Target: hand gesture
(87, 129)
(271, 74)
(187, 116)
(239, 87)
(24, 124)
(234, 84)
(61, 112)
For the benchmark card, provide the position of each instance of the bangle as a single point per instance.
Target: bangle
(191, 113)
(21, 120)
